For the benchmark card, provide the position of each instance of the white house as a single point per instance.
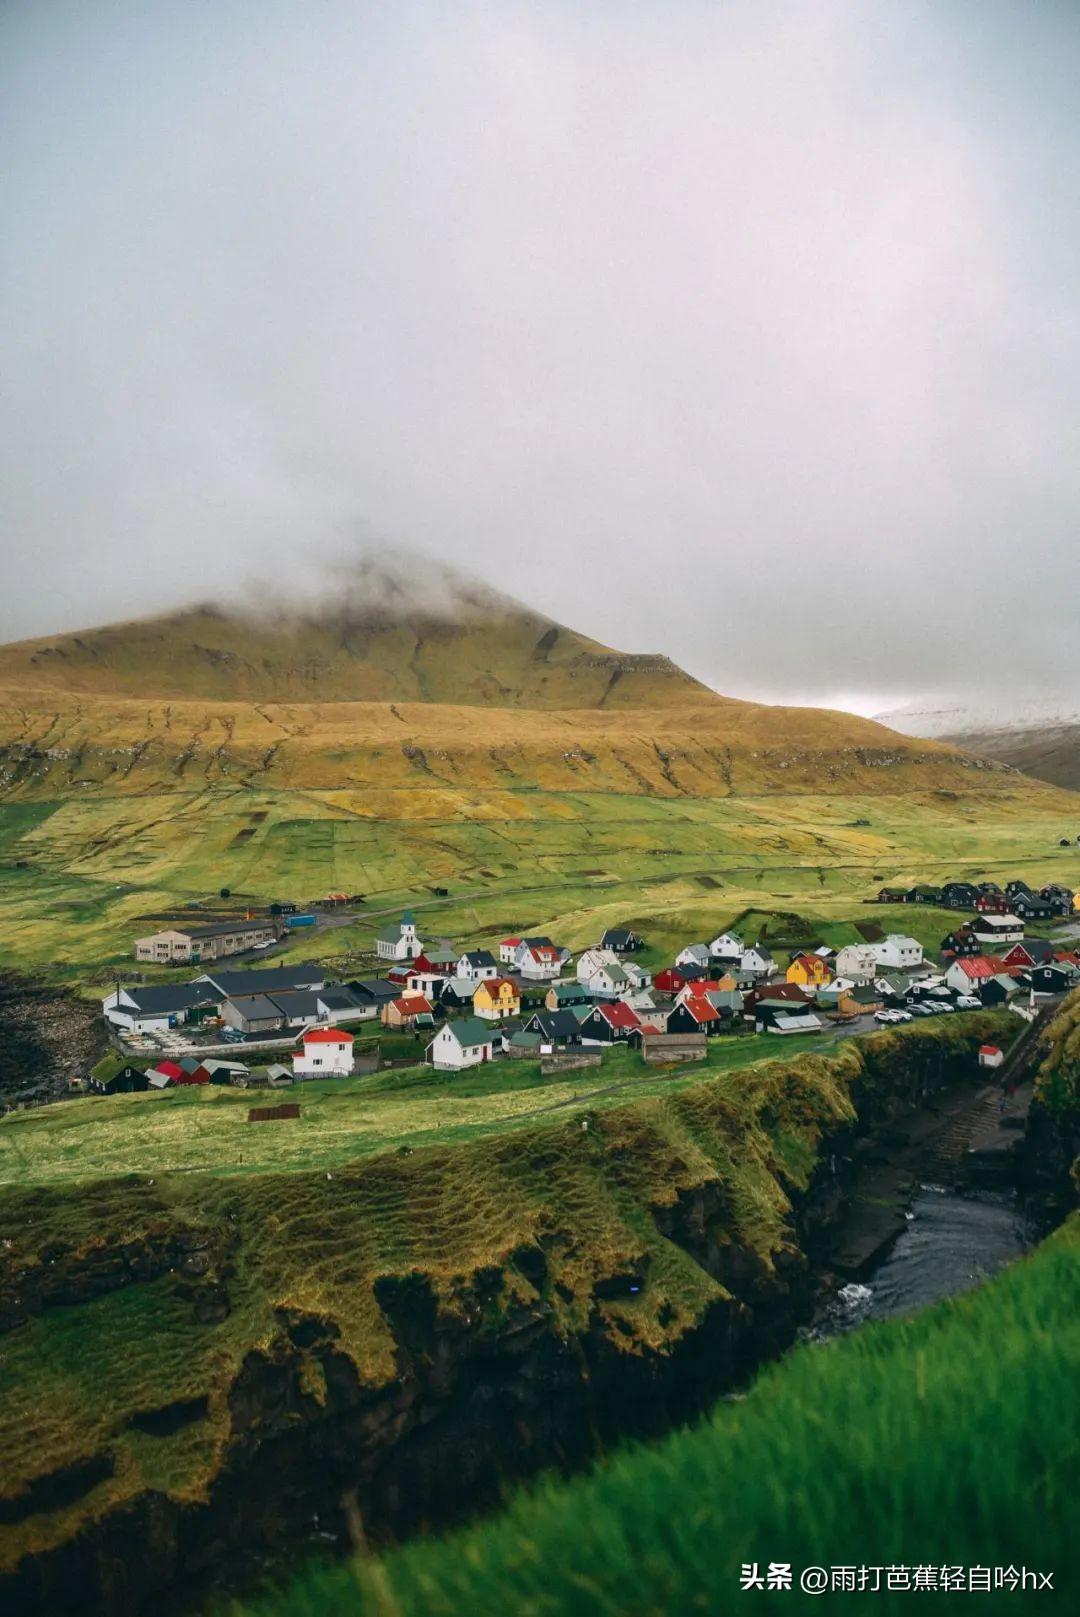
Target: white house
(538, 960)
(859, 961)
(464, 1043)
(638, 976)
(897, 951)
(594, 960)
(611, 979)
(695, 954)
(995, 929)
(325, 1052)
(477, 966)
(426, 983)
(727, 946)
(508, 949)
(757, 961)
(398, 942)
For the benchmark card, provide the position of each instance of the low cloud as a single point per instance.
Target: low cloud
(747, 334)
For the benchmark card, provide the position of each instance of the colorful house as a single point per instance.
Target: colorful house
(411, 1010)
(808, 971)
(497, 998)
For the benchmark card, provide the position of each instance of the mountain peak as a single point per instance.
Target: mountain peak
(379, 633)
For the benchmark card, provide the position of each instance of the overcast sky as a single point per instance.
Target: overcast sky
(747, 331)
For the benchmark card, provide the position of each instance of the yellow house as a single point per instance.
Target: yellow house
(809, 971)
(726, 983)
(496, 999)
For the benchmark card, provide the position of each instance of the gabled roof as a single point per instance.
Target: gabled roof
(509, 943)
(412, 1005)
(326, 1035)
(701, 1010)
(265, 981)
(336, 999)
(256, 1007)
(618, 1015)
(978, 966)
(297, 1002)
(491, 985)
(478, 957)
(555, 1024)
(171, 1069)
(470, 1030)
(372, 988)
(165, 998)
(616, 973)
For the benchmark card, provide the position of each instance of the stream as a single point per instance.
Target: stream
(954, 1240)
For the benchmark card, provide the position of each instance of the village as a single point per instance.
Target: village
(528, 997)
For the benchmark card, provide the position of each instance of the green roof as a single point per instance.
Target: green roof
(471, 1030)
(389, 934)
(109, 1065)
(525, 1041)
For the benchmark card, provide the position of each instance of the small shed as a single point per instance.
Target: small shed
(990, 1055)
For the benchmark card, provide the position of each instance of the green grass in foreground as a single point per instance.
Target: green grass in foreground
(948, 1438)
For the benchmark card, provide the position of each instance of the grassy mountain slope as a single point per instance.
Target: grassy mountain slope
(469, 743)
(935, 1441)
(484, 649)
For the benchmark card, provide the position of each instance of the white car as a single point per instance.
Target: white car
(887, 1016)
(968, 1002)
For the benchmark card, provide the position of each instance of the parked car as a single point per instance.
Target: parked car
(969, 1002)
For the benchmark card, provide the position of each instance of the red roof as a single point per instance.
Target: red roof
(509, 943)
(701, 1010)
(493, 984)
(980, 965)
(413, 1005)
(170, 1069)
(326, 1035)
(619, 1015)
(544, 951)
(989, 1050)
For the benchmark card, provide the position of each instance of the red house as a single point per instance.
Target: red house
(615, 1023)
(669, 981)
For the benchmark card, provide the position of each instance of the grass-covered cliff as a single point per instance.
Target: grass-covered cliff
(200, 1359)
(947, 1439)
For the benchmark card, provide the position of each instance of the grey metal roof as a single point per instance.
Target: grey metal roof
(255, 1007)
(162, 998)
(266, 980)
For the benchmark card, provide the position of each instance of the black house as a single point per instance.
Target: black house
(555, 1027)
(992, 991)
(960, 943)
(622, 940)
(1052, 979)
(923, 894)
(1030, 907)
(959, 895)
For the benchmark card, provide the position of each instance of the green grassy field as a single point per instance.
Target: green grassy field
(80, 879)
(935, 1441)
(205, 1128)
